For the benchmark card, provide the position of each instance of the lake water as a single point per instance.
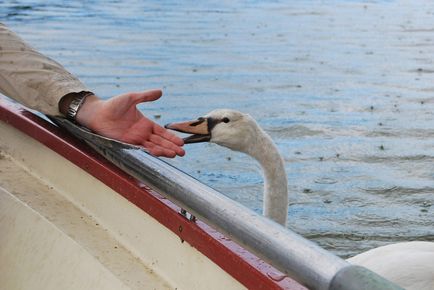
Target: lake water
(345, 88)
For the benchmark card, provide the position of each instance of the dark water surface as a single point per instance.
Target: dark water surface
(345, 88)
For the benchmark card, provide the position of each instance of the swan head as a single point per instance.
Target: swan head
(229, 128)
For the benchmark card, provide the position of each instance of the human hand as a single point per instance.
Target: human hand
(118, 118)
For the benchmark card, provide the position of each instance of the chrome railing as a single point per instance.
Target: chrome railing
(287, 251)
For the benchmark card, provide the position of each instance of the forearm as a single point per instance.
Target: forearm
(32, 78)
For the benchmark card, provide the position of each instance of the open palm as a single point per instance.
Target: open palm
(119, 118)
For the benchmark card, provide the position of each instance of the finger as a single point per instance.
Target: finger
(166, 134)
(145, 96)
(158, 140)
(158, 150)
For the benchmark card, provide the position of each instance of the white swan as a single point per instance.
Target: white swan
(240, 132)
(408, 264)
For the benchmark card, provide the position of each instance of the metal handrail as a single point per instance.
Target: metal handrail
(287, 251)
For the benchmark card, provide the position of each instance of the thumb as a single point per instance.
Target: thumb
(146, 96)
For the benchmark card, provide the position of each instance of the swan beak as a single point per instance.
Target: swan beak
(199, 129)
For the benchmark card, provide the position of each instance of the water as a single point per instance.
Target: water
(345, 88)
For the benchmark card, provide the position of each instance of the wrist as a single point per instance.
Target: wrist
(71, 103)
(88, 111)
(78, 107)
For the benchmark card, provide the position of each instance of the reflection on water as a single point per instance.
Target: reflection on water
(346, 89)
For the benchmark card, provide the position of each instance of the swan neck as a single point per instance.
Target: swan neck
(275, 179)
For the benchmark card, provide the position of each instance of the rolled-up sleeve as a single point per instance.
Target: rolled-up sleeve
(31, 78)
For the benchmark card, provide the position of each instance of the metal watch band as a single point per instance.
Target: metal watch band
(75, 104)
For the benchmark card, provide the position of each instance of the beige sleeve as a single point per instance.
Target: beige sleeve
(32, 78)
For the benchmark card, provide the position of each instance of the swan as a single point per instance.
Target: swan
(408, 264)
(240, 132)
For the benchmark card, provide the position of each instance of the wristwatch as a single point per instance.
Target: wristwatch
(76, 102)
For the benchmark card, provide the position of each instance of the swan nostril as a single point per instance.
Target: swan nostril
(198, 122)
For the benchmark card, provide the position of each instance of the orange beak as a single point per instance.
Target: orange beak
(199, 128)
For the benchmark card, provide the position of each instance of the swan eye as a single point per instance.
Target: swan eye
(225, 120)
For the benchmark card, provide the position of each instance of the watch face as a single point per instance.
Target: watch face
(76, 103)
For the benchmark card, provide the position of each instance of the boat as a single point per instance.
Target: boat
(79, 211)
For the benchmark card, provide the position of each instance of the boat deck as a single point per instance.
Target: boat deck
(52, 228)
